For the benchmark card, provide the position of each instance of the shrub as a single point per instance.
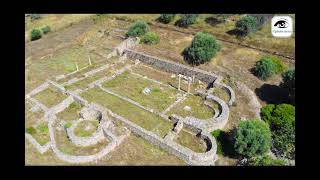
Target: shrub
(253, 137)
(268, 66)
(265, 160)
(166, 18)
(137, 29)
(247, 24)
(261, 19)
(203, 48)
(46, 29)
(288, 82)
(281, 119)
(31, 130)
(35, 16)
(186, 20)
(279, 66)
(150, 38)
(35, 34)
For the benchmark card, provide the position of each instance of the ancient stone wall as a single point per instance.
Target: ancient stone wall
(229, 91)
(171, 67)
(172, 147)
(206, 125)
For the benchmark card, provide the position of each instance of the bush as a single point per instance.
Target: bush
(288, 82)
(150, 38)
(265, 160)
(46, 29)
(31, 130)
(247, 24)
(186, 20)
(203, 48)
(166, 18)
(35, 16)
(35, 34)
(253, 137)
(137, 29)
(279, 66)
(281, 119)
(264, 69)
(268, 66)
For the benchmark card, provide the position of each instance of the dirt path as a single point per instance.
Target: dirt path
(57, 40)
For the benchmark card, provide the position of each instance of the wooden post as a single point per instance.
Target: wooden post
(77, 66)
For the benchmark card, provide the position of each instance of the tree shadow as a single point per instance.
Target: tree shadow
(212, 21)
(272, 94)
(227, 142)
(236, 32)
(179, 23)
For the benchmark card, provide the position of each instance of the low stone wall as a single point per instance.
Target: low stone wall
(41, 149)
(229, 91)
(172, 147)
(126, 44)
(171, 67)
(37, 90)
(38, 104)
(207, 125)
(84, 141)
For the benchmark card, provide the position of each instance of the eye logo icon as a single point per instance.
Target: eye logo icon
(282, 26)
(283, 23)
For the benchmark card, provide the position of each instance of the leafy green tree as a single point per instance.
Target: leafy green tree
(46, 29)
(247, 24)
(202, 49)
(253, 137)
(35, 34)
(265, 160)
(281, 119)
(150, 38)
(268, 66)
(288, 82)
(186, 20)
(166, 18)
(137, 29)
(264, 69)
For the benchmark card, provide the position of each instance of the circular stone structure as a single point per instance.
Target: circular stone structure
(90, 114)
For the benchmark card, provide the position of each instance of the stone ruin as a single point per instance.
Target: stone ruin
(105, 130)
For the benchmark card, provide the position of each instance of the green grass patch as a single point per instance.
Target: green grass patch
(198, 108)
(191, 141)
(70, 113)
(67, 125)
(81, 130)
(43, 127)
(31, 130)
(221, 93)
(216, 134)
(132, 86)
(50, 97)
(40, 133)
(143, 118)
